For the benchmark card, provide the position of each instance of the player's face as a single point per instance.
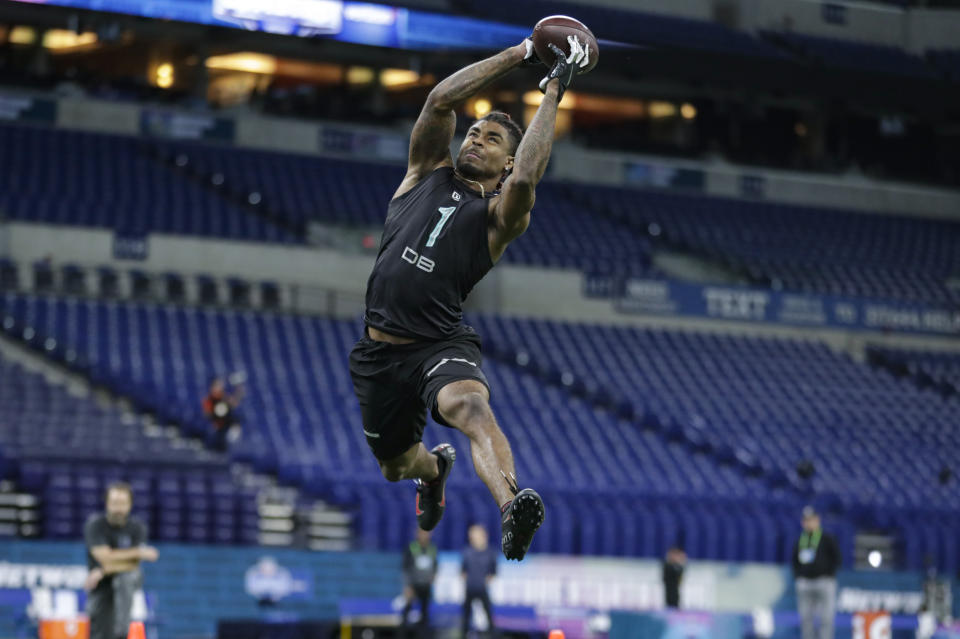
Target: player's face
(485, 152)
(118, 506)
(810, 524)
(478, 537)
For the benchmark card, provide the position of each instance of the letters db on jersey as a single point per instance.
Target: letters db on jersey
(421, 262)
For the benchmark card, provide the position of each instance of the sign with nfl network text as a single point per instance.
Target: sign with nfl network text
(667, 297)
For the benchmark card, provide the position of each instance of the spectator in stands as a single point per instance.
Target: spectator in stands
(419, 571)
(479, 567)
(673, 565)
(816, 558)
(221, 409)
(116, 544)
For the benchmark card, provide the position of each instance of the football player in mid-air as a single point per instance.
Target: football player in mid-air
(448, 223)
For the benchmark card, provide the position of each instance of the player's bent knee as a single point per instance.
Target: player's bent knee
(391, 473)
(465, 411)
(394, 471)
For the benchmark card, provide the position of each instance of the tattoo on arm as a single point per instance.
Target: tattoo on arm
(434, 130)
(530, 162)
(430, 138)
(533, 154)
(466, 82)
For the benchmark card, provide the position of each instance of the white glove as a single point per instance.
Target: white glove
(531, 57)
(564, 68)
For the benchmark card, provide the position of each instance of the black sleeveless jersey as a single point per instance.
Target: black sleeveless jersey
(434, 250)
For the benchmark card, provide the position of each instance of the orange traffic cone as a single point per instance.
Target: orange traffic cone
(136, 631)
(556, 634)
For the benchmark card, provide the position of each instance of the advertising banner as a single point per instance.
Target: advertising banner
(184, 126)
(646, 174)
(363, 144)
(27, 109)
(367, 23)
(666, 297)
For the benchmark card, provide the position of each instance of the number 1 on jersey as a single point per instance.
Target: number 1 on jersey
(445, 213)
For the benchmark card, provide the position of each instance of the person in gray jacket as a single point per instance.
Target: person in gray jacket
(116, 544)
(816, 558)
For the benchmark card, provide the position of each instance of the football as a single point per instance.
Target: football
(555, 29)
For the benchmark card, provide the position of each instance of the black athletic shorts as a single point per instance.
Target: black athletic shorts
(396, 383)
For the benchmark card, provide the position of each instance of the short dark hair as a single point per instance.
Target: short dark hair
(121, 486)
(513, 129)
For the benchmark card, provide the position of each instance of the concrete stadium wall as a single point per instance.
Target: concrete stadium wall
(698, 9)
(853, 192)
(515, 291)
(323, 281)
(914, 29)
(874, 23)
(932, 29)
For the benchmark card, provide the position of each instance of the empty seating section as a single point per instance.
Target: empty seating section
(796, 248)
(301, 419)
(299, 187)
(877, 442)
(941, 367)
(92, 179)
(691, 434)
(67, 448)
(773, 402)
(139, 187)
(304, 188)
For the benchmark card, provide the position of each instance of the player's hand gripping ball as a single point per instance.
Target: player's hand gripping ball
(560, 31)
(565, 67)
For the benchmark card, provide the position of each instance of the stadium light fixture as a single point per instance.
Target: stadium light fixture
(164, 75)
(244, 61)
(394, 78)
(481, 107)
(359, 75)
(659, 109)
(62, 40)
(688, 111)
(22, 35)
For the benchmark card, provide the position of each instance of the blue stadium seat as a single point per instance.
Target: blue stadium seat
(691, 436)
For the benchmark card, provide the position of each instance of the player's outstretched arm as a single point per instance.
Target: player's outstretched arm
(511, 211)
(434, 130)
(511, 214)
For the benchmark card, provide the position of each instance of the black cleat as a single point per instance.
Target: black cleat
(520, 521)
(431, 497)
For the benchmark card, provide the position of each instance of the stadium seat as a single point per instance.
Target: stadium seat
(9, 275)
(690, 434)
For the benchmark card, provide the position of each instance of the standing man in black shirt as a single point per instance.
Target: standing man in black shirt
(816, 558)
(115, 547)
(673, 565)
(479, 567)
(419, 571)
(447, 225)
